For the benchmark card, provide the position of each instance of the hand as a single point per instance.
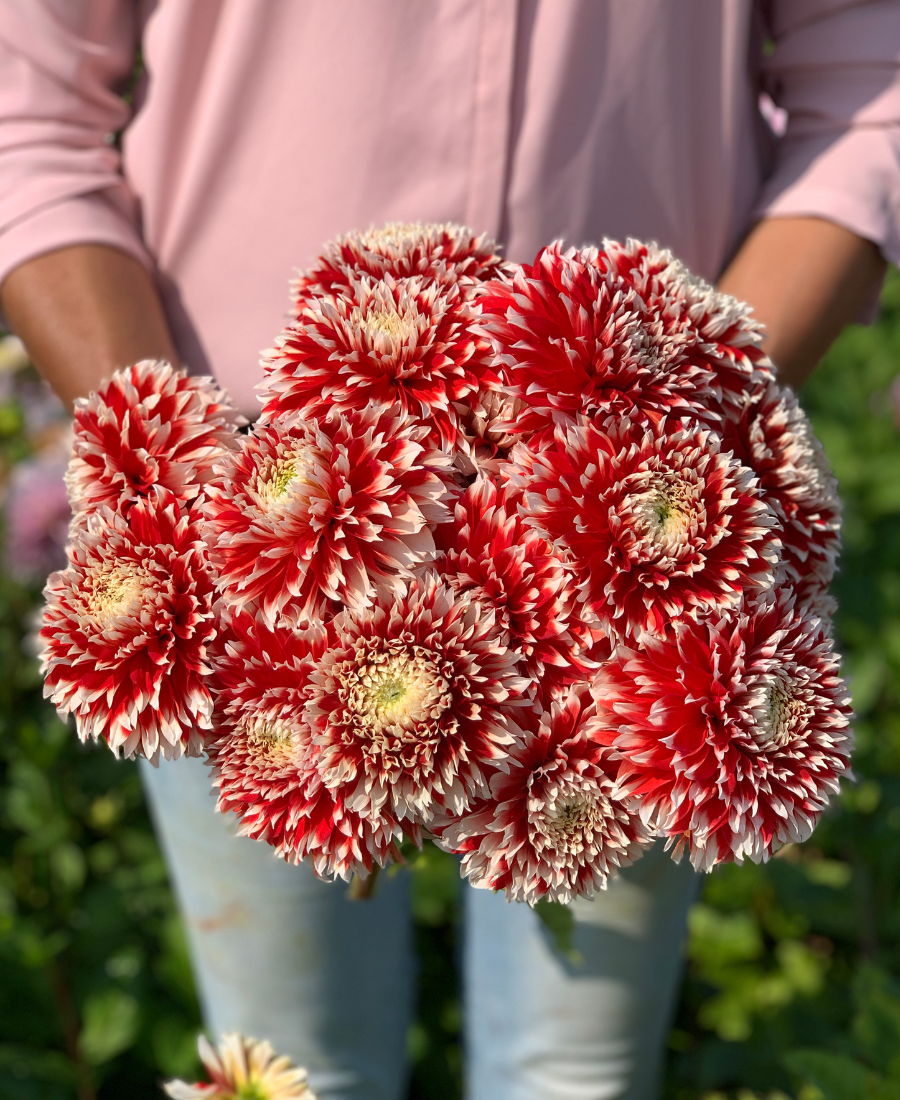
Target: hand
(84, 311)
(806, 279)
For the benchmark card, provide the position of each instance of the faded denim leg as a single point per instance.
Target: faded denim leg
(542, 1027)
(279, 955)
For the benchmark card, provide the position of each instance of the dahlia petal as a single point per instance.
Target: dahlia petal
(243, 1067)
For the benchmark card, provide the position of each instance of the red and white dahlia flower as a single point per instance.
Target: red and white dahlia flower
(723, 335)
(772, 435)
(264, 762)
(243, 1069)
(573, 337)
(126, 629)
(490, 555)
(259, 751)
(656, 523)
(407, 343)
(445, 253)
(410, 702)
(149, 425)
(556, 824)
(303, 513)
(731, 731)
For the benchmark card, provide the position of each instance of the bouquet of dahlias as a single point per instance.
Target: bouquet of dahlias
(530, 560)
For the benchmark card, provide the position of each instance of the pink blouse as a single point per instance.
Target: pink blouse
(261, 128)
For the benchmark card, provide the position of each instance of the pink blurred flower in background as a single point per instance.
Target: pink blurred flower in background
(37, 514)
(36, 509)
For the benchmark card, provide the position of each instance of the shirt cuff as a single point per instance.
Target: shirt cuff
(93, 218)
(852, 179)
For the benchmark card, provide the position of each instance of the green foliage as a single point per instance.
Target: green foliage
(434, 1042)
(559, 920)
(93, 975)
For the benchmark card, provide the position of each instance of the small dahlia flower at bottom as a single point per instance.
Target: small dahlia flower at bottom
(244, 1069)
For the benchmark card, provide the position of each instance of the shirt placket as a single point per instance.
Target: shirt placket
(498, 20)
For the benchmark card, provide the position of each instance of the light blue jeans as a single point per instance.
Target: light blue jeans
(331, 982)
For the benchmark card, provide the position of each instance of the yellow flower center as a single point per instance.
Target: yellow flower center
(277, 484)
(394, 693)
(252, 1090)
(114, 590)
(568, 823)
(782, 717)
(568, 816)
(270, 740)
(386, 327)
(666, 515)
(393, 235)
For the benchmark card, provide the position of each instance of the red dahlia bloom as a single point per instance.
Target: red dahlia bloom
(404, 343)
(493, 557)
(771, 434)
(149, 425)
(555, 826)
(445, 253)
(125, 632)
(657, 524)
(340, 838)
(573, 337)
(263, 759)
(306, 512)
(259, 752)
(409, 703)
(724, 336)
(732, 731)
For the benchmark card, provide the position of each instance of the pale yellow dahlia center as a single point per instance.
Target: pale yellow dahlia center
(388, 328)
(569, 821)
(666, 515)
(114, 590)
(398, 692)
(783, 716)
(280, 480)
(270, 740)
(393, 235)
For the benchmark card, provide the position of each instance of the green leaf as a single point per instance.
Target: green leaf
(68, 865)
(835, 1075)
(559, 920)
(876, 1026)
(435, 884)
(111, 1021)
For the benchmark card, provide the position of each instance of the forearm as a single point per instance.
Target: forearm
(806, 279)
(82, 312)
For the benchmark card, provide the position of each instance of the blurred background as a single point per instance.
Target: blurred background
(792, 985)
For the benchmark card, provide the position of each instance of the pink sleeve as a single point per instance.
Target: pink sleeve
(836, 70)
(61, 64)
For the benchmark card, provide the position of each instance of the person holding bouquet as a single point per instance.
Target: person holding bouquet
(161, 223)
